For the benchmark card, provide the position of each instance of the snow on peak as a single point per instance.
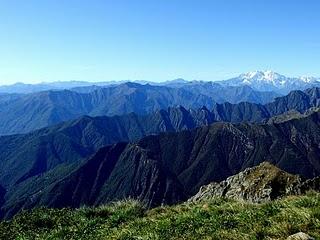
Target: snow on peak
(273, 78)
(308, 79)
(262, 76)
(272, 81)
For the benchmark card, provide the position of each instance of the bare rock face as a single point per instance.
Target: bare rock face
(300, 236)
(262, 183)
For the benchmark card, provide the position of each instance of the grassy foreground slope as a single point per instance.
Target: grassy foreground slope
(217, 219)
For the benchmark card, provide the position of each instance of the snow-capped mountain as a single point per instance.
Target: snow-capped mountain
(272, 81)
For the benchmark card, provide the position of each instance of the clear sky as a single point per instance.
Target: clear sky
(50, 40)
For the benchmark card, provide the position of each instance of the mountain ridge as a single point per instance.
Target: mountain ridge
(77, 139)
(171, 167)
(27, 112)
(249, 78)
(52, 107)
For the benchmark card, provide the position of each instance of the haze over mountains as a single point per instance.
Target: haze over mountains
(258, 80)
(23, 88)
(24, 113)
(158, 143)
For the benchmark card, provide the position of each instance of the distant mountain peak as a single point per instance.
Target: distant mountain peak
(180, 80)
(175, 81)
(270, 76)
(307, 79)
(267, 76)
(272, 81)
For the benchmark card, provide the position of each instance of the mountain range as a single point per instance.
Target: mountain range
(158, 169)
(258, 80)
(26, 112)
(158, 143)
(24, 88)
(74, 140)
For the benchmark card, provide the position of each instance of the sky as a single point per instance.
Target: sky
(156, 40)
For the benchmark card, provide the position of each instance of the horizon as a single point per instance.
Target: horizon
(208, 40)
(148, 81)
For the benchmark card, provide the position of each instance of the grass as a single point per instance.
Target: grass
(216, 219)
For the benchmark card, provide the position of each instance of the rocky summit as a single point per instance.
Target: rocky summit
(262, 183)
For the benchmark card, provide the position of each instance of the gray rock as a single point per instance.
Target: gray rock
(262, 183)
(300, 236)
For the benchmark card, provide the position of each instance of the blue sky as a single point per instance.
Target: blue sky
(49, 40)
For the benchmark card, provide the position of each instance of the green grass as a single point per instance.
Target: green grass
(217, 219)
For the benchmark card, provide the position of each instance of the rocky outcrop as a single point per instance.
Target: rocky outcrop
(292, 114)
(258, 184)
(300, 236)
